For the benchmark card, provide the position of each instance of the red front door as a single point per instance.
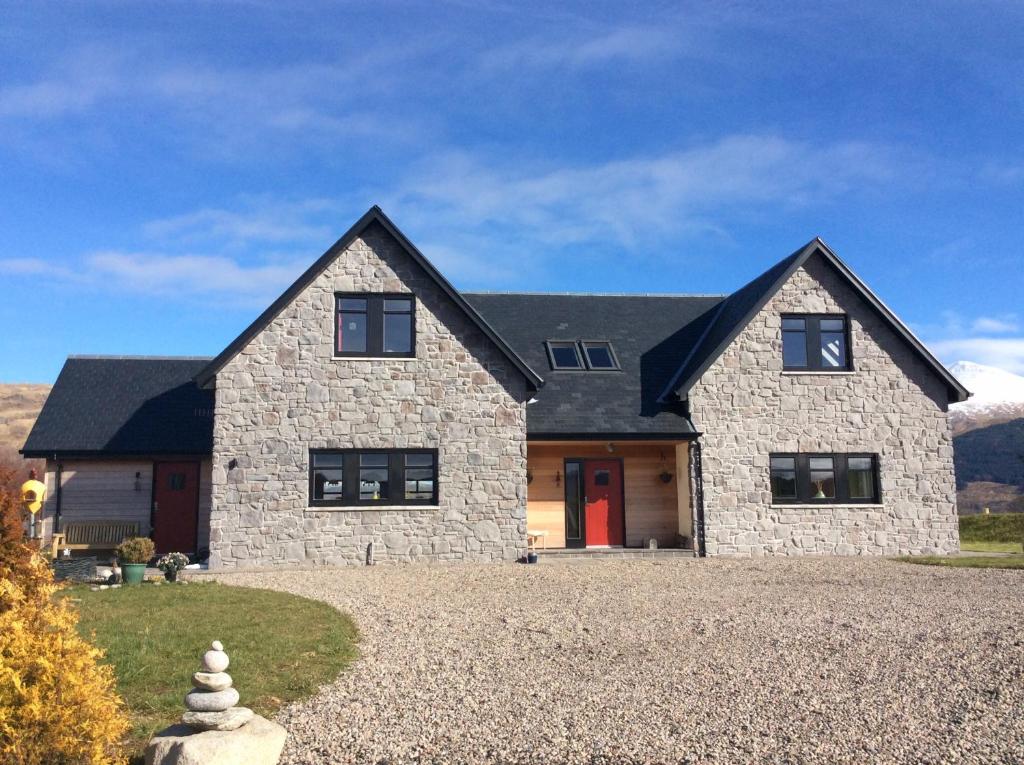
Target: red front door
(175, 506)
(602, 489)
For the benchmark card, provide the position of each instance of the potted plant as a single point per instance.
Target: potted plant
(171, 564)
(134, 553)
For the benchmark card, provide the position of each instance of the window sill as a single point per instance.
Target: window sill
(841, 505)
(366, 508)
(374, 358)
(818, 372)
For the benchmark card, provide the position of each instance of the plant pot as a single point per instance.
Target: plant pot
(171, 575)
(531, 557)
(133, 573)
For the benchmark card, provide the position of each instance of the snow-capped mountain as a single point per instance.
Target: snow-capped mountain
(998, 396)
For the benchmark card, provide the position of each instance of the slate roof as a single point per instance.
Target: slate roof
(123, 406)
(649, 333)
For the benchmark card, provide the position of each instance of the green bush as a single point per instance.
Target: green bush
(995, 527)
(136, 550)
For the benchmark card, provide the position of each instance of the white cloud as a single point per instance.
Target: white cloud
(990, 340)
(993, 325)
(493, 224)
(218, 110)
(639, 199)
(261, 220)
(178, 276)
(188, 274)
(621, 44)
(80, 83)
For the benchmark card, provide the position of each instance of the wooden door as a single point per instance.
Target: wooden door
(602, 488)
(175, 506)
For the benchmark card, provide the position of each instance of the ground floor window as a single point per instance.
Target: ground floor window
(824, 478)
(367, 477)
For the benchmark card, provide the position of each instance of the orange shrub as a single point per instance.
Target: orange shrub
(58, 704)
(14, 554)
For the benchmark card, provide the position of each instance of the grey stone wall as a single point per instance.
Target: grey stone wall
(286, 393)
(892, 405)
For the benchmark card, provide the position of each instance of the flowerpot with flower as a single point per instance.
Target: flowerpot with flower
(171, 564)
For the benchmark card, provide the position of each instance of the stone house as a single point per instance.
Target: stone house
(375, 409)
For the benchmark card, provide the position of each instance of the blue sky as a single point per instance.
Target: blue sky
(167, 169)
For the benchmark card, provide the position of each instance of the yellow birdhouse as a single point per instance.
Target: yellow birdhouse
(33, 493)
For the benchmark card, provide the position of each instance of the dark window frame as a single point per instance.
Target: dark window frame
(580, 349)
(375, 324)
(611, 352)
(840, 462)
(350, 472)
(812, 338)
(549, 345)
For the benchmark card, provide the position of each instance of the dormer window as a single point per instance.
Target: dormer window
(580, 355)
(375, 325)
(815, 342)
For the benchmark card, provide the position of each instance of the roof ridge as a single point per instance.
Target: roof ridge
(600, 294)
(130, 357)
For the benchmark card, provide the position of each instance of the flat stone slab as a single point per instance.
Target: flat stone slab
(212, 681)
(229, 719)
(210, 701)
(258, 742)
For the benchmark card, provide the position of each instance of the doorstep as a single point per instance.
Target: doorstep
(613, 553)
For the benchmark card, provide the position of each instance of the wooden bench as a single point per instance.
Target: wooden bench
(93, 535)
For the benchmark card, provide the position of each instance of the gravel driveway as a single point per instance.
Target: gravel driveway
(813, 660)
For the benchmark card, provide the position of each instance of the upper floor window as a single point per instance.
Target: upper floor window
(815, 342)
(378, 325)
(824, 478)
(584, 354)
(367, 477)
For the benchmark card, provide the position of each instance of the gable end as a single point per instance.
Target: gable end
(737, 311)
(374, 214)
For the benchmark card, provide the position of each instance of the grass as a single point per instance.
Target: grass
(967, 561)
(995, 527)
(282, 647)
(1000, 547)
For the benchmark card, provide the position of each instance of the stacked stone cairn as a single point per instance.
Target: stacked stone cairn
(211, 703)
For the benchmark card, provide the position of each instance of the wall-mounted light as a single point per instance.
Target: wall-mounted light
(232, 464)
(558, 478)
(664, 475)
(138, 482)
(529, 476)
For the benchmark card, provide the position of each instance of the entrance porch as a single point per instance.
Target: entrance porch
(609, 495)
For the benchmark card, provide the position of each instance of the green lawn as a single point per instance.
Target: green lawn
(967, 561)
(282, 647)
(995, 527)
(1002, 547)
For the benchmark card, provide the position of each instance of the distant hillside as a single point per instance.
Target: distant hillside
(994, 453)
(997, 497)
(19, 406)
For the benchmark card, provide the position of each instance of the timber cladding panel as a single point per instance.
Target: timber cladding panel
(285, 393)
(651, 505)
(891, 404)
(100, 490)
